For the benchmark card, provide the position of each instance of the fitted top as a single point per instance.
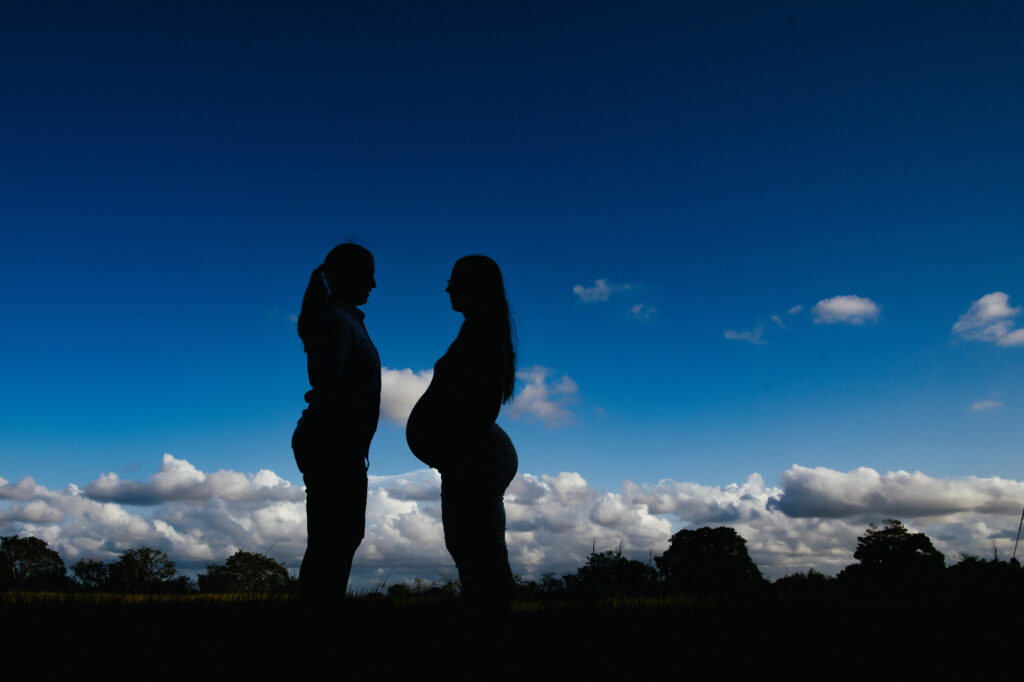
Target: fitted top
(344, 373)
(461, 403)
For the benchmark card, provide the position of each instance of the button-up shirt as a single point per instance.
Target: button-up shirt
(344, 371)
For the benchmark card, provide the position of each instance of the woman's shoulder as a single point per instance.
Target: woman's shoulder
(337, 317)
(473, 347)
(479, 337)
(333, 326)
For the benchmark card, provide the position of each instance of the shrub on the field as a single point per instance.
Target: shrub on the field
(245, 572)
(609, 574)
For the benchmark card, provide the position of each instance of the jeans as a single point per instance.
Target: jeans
(335, 512)
(473, 513)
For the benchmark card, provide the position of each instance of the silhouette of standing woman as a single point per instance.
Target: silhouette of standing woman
(452, 429)
(332, 439)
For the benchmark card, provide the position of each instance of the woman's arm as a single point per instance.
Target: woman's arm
(327, 358)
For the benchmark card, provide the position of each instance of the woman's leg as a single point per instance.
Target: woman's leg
(335, 514)
(473, 512)
(335, 524)
(498, 581)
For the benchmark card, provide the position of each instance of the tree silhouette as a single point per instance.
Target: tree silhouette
(610, 573)
(28, 563)
(245, 572)
(551, 584)
(894, 547)
(812, 586)
(974, 579)
(892, 560)
(92, 574)
(710, 561)
(147, 570)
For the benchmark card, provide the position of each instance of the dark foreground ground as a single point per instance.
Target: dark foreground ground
(203, 637)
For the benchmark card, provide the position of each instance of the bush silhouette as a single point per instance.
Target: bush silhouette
(609, 573)
(975, 579)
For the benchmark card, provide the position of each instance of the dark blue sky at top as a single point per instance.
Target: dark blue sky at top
(170, 174)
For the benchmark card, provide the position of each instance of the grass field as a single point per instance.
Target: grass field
(234, 637)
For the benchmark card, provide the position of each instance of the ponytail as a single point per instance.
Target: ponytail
(344, 262)
(313, 302)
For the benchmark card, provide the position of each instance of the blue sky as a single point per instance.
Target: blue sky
(170, 176)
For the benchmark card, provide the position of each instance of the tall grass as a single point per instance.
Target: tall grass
(105, 598)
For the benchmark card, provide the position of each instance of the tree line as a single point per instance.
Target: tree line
(29, 564)
(891, 562)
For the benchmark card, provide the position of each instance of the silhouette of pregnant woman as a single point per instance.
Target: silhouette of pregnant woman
(452, 428)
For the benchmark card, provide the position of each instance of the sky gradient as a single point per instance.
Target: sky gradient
(762, 258)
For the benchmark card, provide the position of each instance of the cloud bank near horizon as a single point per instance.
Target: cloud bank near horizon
(810, 520)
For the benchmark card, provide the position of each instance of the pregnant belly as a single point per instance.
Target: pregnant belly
(439, 433)
(423, 430)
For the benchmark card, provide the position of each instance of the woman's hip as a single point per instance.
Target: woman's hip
(487, 468)
(320, 449)
(500, 454)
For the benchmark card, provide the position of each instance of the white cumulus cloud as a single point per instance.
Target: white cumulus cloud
(990, 318)
(825, 492)
(399, 391)
(180, 480)
(845, 309)
(1014, 338)
(25, 489)
(543, 398)
(811, 519)
(36, 511)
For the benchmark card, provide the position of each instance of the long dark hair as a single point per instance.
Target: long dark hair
(480, 278)
(344, 262)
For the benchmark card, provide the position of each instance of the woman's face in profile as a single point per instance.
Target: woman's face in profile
(355, 288)
(455, 295)
(367, 283)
